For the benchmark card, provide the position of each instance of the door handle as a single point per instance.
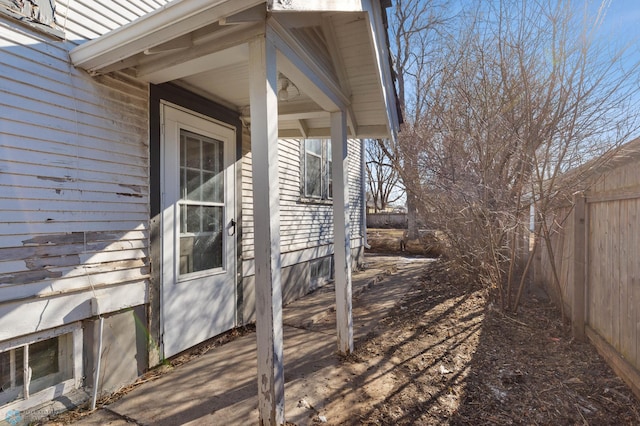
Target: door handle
(232, 228)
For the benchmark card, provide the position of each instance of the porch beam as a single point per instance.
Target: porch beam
(301, 111)
(341, 231)
(316, 5)
(323, 132)
(305, 70)
(304, 130)
(200, 57)
(266, 206)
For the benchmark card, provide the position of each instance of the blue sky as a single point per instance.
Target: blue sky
(622, 24)
(623, 18)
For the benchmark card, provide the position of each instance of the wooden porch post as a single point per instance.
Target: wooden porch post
(341, 231)
(266, 207)
(579, 276)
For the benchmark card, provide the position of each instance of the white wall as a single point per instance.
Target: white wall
(306, 229)
(74, 204)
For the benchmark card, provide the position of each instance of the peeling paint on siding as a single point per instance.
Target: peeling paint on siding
(57, 179)
(127, 194)
(29, 277)
(70, 238)
(134, 188)
(48, 262)
(41, 11)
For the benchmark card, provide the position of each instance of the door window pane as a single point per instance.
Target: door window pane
(202, 203)
(212, 187)
(192, 153)
(203, 250)
(192, 191)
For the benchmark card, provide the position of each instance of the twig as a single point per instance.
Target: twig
(580, 412)
(514, 320)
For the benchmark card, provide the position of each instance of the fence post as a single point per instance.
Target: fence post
(579, 255)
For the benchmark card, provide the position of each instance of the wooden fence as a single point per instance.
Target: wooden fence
(387, 220)
(596, 254)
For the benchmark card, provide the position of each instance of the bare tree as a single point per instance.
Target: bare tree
(415, 26)
(382, 177)
(507, 104)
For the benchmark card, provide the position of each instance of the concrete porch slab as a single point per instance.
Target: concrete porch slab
(219, 387)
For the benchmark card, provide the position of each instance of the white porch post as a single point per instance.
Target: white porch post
(341, 231)
(266, 217)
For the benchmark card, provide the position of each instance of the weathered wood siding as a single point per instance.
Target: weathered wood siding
(612, 271)
(306, 229)
(74, 204)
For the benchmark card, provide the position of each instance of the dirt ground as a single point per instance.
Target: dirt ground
(446, 356)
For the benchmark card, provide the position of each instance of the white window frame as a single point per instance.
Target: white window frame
(326, 179)
(320, 271)
(75, 382)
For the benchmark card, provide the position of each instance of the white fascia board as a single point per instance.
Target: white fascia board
(379, 39)
(172, 20)
(316, 5)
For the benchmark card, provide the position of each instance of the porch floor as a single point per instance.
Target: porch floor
(219, 387)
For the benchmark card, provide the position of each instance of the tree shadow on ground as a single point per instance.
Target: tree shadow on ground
(447, 356)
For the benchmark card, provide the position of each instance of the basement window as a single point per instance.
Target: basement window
(321, 271)
(37, 14)
(37, 368)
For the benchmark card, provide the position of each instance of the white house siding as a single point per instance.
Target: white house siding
(355, 195)
(73, 174)
(306, 229)
(88, 19)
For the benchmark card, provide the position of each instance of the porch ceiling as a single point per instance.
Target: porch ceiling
(331, 54)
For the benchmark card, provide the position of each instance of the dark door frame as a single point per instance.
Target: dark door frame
(186, 99)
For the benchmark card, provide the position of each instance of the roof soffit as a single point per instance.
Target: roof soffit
(161, 26)
(311, 55)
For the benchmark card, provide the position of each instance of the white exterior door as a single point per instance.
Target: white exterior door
(198, 229)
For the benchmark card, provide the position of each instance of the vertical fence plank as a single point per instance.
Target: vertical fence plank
(579, 251)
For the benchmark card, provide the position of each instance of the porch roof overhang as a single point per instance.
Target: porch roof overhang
(331, 56)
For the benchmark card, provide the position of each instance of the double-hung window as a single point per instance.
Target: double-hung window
(317, 182)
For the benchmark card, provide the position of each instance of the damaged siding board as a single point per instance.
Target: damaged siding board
(41, 11)
(57, 311)
(36, 14)
(74, 189)
(55, 281)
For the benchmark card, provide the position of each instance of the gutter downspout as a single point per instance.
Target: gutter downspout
(363, 187)
(96, 376)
